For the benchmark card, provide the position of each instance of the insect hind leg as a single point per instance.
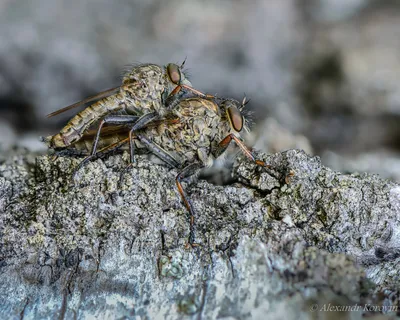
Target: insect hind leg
(139, 124)
(111, 119)
(186, 173)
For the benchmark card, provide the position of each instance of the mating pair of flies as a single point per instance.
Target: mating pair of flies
(156, 109)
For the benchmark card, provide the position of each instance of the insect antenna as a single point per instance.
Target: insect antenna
(183, 63)
(245, 101)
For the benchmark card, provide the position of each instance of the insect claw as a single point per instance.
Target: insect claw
(82, 164)
(183, 63)
(191, 239)
(121, 178)
(262, 164)
(210, 96)
(125, 171)
(289, 176)
(75, 171)
(191, 245)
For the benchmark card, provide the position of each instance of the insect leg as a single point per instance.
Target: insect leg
(247, 152)
(179, 87)
(102, 152)
(158, 151)
(112, 147)
(139, 124)
(116, 119)
(151, 145)
(186, 172)
(174, 97)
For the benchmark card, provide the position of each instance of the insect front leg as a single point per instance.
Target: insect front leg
(187, 172)
(174, 98)
(220, 149)
(142, 122)
(182, 92)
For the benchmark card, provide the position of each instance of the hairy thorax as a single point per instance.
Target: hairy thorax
(147, 95)
(194, 136)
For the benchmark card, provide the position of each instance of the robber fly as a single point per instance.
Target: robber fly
(190, 137)
(147, 92)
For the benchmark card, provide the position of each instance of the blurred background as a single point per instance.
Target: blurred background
(322, 75)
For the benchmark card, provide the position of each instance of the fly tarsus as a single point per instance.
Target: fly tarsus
(223, 145)
(142, 122)
(187, 172)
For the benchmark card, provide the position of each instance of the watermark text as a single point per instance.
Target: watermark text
(354, 307)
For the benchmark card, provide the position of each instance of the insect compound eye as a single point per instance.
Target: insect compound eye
(174, 73)
(235, 118)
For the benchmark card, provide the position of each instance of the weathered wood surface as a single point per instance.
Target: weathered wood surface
(270, 245)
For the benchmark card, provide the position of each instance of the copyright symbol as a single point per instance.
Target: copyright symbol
(314, 307)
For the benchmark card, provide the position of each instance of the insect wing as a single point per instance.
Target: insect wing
(98, 96)
(106, 131)
(115, 130)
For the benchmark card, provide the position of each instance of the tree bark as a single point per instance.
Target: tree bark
(286, 242)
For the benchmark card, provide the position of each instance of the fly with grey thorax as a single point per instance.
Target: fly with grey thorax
(148, 92)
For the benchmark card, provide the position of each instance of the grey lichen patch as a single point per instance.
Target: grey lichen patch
(113, 241)
(188, 305)
(394, 198)
(171, 265)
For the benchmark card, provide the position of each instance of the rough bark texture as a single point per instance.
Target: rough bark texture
(284, 243)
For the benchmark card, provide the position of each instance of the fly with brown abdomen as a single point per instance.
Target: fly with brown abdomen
(148, 92)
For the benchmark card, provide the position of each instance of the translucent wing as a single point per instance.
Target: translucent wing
(106, 131)
(97, 96)
(113, 129)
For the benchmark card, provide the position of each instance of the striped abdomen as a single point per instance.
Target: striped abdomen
(106, 143)
(76, 127)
